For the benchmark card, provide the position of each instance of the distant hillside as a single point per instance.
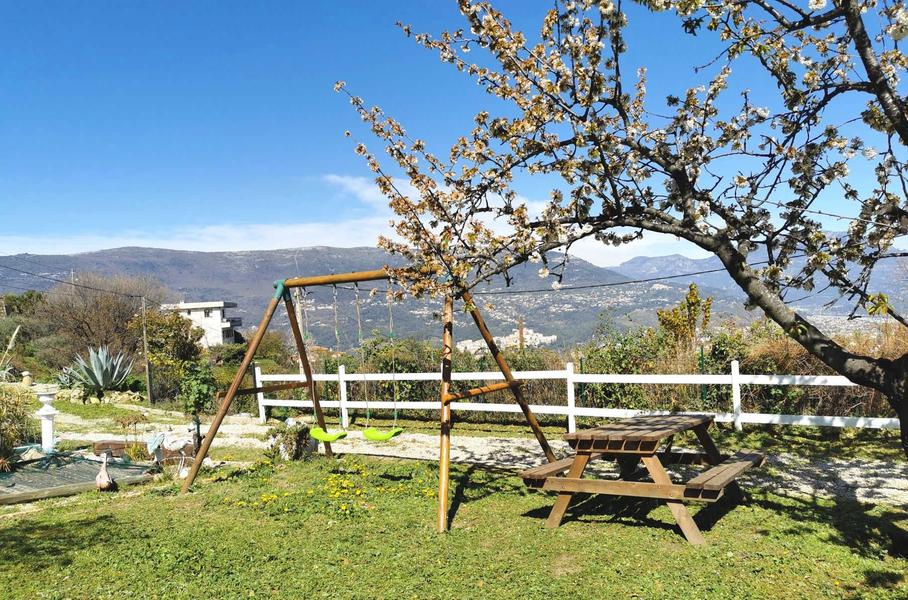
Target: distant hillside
(246, 278)
(890, 277)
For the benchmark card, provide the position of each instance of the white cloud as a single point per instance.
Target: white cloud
(651, 244)
(210, 238)
(361, 188)
(366, 191)
(361, 230)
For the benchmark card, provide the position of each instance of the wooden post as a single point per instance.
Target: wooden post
(354, 277)
(444, 455)
(506, 371)
(307, 368)
(231, 392)
(145, 350)
(564, 498)
(679, 511)
(298, 299)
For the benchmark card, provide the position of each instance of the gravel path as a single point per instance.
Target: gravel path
(864, 480)
(860, 479)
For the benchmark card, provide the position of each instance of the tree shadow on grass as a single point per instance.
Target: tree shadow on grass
(865, 533)
(475, 482)
(855, 525)
(40, 544)
(628, 510)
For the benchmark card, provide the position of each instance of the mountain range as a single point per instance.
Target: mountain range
(246, 278)
(890, 276)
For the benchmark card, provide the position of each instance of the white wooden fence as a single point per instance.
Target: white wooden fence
(734, 379)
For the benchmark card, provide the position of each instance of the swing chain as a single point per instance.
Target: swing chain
(362, 348)
(336, 325)
(393, 351)
(302, 300)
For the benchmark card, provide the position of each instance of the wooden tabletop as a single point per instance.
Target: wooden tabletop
(644, 428)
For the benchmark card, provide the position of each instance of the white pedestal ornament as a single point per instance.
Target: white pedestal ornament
(46, 415)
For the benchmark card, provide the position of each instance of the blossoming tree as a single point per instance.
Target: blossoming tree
(743, 178)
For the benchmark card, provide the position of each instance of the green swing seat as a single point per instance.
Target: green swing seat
(323, 436)
(378, 435)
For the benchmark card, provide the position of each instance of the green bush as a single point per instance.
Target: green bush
(227, 354)
(198, 390)
(17, 425)
(634, 352)
(289, 442)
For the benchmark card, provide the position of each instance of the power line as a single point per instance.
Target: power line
(5, 285)
(568, 288)
(34, 262)
(829, 214)
(72, 283)
(605, 285)
(582, 287)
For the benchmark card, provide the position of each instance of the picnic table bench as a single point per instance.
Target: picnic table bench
(646, 439)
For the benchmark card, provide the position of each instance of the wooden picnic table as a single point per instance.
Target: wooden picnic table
(646, 439)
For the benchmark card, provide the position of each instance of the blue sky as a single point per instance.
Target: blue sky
(214, 126)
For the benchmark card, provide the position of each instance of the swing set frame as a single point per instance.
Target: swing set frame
(282, 294)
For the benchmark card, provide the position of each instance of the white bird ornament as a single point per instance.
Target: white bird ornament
(103, 480)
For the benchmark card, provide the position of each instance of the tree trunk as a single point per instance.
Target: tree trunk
(196, 434)
(884, 375)
(902, 412)
(899, 401)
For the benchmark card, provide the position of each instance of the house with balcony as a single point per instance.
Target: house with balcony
(211, 317)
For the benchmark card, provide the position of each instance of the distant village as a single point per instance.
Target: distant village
(519, 338)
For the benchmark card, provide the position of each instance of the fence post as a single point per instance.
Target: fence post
(571, 403)
(260, 396)
(736, 394)
(342, 395)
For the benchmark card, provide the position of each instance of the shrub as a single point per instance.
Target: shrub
(17, 426)
(172, 342)
(634, 352)
(130, 423)
(227, 354)
(273, 346)
(289, 442)
(197, 393)
(6, 367)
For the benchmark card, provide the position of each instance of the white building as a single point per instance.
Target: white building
(531, 339)
(211, 318)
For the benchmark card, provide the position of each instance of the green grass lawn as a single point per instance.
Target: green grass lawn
(90, 411)
(363, 528)
(813, 442)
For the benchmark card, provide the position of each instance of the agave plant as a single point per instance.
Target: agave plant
(66, 378)
(101, 372)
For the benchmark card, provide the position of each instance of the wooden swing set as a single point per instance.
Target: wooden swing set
(282, 293)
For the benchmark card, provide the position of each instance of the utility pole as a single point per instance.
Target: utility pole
(520, 338)
(145, 349)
